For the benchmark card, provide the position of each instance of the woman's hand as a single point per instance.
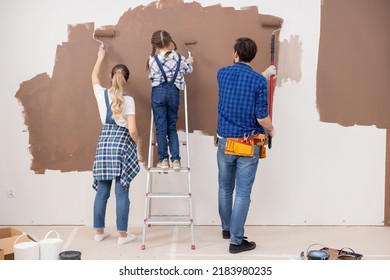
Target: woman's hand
(96, 69)
(101, 53)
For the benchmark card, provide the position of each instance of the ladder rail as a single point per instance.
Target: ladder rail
(188, 166)
(148, 179)
(150, 153)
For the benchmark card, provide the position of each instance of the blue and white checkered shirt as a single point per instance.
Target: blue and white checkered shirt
(169, 65)
(243, 98)
(116, 155)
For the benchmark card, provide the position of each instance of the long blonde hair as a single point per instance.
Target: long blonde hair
(120, 74)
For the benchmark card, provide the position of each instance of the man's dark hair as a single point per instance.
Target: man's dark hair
(246, 49)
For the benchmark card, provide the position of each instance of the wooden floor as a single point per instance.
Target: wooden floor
(174, 242)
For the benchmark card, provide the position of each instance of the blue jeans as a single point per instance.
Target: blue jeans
(122, 205)
(235, 173)
(165, 105)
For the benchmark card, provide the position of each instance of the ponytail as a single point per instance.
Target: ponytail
(120, 75)
(151, 56)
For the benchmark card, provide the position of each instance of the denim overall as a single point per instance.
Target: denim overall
(116, 158)
(165, 106)
(109, 118)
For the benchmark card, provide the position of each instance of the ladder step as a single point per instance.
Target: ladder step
(169, 220)
(168, 195)
(169, 170)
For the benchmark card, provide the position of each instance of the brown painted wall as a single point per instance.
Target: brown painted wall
(353, 63)
(61, 111)
(353, 68)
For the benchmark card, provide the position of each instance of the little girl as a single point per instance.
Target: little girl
(116, 153)
(166, 75)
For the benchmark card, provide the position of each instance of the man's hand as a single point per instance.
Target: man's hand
(270, 71)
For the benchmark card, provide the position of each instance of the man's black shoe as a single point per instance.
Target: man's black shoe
(244, 246)
(226, 234)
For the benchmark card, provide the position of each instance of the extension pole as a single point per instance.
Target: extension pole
(271, 85)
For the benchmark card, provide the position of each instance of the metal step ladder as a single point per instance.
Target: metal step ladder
(151, 218)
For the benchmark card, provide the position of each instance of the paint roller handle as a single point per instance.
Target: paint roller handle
(271, 83)
(272, 49)
(271, 101)
(271, 134)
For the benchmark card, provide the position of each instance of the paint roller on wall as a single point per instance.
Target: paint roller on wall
(189, 43)
(103, 33)
(275, 23)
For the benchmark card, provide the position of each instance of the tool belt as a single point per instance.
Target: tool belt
(245, 146)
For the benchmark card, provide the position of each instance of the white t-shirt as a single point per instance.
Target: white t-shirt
(128, 108)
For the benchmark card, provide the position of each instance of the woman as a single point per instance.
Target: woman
(116, 153)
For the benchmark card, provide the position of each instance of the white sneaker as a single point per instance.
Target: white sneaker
(163, 164)
(124, 240)
(101, 237)
(176, 165)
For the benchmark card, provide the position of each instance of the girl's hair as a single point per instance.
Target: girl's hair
(119, 76)
(160, 39)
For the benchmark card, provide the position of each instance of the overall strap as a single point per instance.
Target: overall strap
(161, 68)
(163, 72)
(177, 69)
(109, 119)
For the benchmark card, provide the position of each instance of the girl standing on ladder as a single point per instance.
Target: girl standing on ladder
(166, 69)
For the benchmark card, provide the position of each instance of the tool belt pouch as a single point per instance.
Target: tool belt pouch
(240, 147)
(263, 152)
(260, 141)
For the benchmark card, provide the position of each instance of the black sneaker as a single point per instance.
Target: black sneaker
(226, 234)
(244, 246)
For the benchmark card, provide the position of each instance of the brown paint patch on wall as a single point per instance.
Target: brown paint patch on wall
(61, 112)
(353, 64)
(290, 61)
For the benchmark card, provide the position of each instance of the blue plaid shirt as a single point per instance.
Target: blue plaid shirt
(243, 98)
(169, 65)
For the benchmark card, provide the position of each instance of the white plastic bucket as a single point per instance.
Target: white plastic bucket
(50, 248)
(26, 250)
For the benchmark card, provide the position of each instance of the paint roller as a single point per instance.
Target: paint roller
(103, 33)
(186, 44)
(272, 22)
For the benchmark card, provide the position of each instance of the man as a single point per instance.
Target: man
(242, 112)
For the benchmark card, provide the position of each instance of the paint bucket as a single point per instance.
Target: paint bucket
(70, 255)
(28, 250)
(50, 248)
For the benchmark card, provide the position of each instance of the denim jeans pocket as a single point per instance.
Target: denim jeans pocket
(174, 99)
(256, 153)
(158, 96)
